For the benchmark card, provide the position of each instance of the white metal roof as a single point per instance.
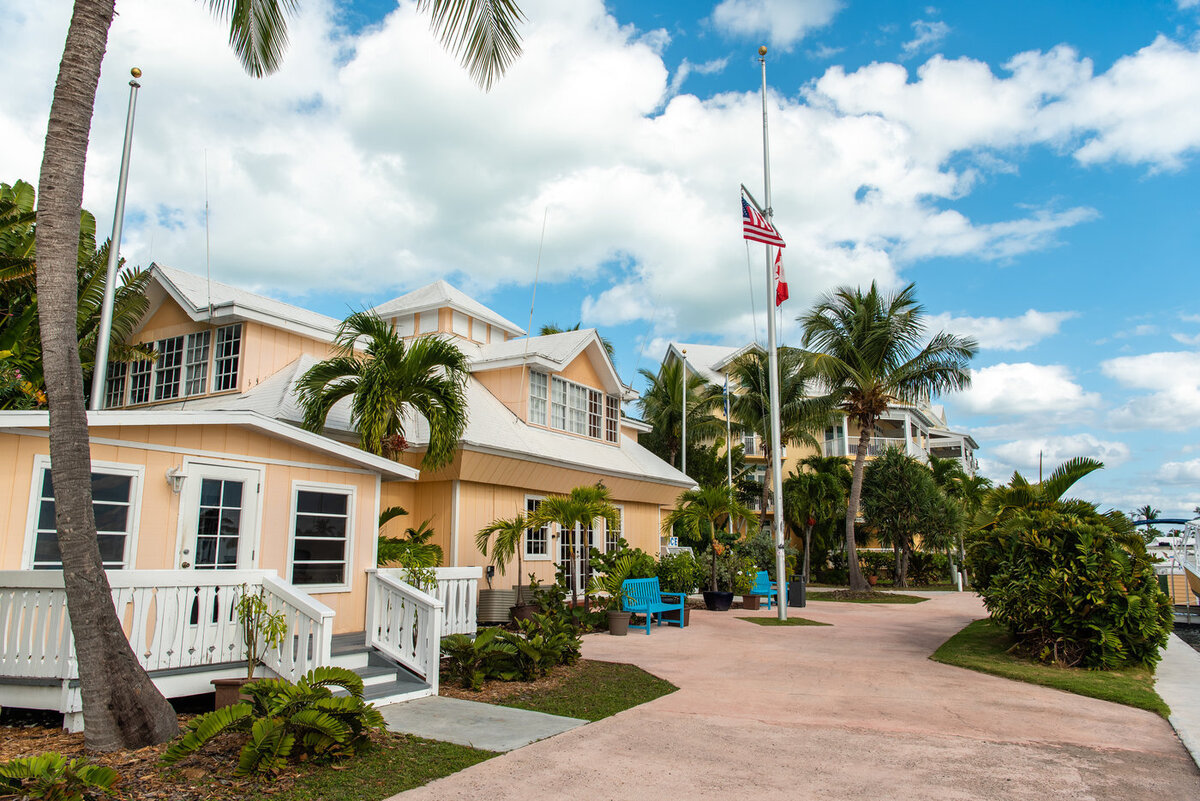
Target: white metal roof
(440, 294)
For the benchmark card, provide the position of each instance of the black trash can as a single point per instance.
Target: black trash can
(795, 592)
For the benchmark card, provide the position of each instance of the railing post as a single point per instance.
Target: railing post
(372, 598)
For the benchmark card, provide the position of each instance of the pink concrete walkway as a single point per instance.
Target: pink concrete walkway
(852, 711)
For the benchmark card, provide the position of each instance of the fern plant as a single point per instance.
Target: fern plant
(52, 777)
(286, 721)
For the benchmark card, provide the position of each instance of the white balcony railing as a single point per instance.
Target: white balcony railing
(173, 619)
(405, 624)
(839, 446)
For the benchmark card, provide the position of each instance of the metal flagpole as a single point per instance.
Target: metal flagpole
(773, 367)
(683, 417)
(100, 368)
(728, 438)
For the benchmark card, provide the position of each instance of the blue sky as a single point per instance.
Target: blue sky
(1031, 167)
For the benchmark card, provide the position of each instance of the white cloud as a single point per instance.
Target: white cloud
(784, 22)
(1024, 388)
(928, 34)
(1174, 380)
(1004, 333)
(1023, 454)
(686, 68)
(1181, 472)
(1192, 340)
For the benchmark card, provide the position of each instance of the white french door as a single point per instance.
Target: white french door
(574, 558)
(219, 508)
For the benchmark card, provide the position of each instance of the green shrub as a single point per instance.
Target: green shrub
(679, 572)
(52, 777)
(553, 599)
(1071, 590)
(878, 563)
(471, 662)
(759, 548)
(301, 721)
(925, 567)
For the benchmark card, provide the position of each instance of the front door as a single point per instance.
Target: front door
(573, 557)
(220, 512)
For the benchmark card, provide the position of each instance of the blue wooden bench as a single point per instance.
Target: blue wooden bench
(642, 597)
(765, 587)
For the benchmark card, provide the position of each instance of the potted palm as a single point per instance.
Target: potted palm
(262, 630)
(611, 584)
(578, 509)
(508, 533)
(699, 513)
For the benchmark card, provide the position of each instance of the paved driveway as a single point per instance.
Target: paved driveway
(851, 711)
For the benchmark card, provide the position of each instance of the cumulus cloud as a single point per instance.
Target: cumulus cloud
(1023, 454)
(1181, 472)
(784, 22)
(1173, 378)
(1004, 333)
(927, 34)
(1024, 388)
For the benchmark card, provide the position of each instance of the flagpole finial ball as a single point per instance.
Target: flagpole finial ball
(135, 72)
(762, 50)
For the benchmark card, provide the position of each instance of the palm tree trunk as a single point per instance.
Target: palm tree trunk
(807, 549)
(121, 706)
(857, 582)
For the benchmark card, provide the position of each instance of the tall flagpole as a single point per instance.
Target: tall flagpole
(683, 419)
(728, 438)
(773, 367)
(100, 363)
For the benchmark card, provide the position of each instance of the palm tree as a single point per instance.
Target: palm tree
(122, 707)
(701, 511)
(554, 328)
(809, 498)
(508, 533)
(865, 349)
(392, 377)
(1147, 512)
(414, 549)
(574, 512)
(800, 413)
(662, 401)
(962, 488)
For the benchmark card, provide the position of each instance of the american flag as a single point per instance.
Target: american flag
(756, 228)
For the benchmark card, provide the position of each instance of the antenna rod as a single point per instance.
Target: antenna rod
(104, 335)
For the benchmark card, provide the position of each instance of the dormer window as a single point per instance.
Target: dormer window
(573, 407)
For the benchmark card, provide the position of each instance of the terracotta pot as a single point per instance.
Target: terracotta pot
(229, 691)
(718, 601)
(872, 580)
(751, 602)
(673, 616)
(618, 622)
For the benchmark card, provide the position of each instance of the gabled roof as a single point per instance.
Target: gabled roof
(551, 352)
(193, 293)
(440, 294)
(707, 361)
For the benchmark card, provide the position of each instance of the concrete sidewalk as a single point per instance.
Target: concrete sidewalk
(850, 711)
(1177, 680)
(486, 726)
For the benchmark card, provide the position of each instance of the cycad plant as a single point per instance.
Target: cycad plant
(387, 381)
(867, 351)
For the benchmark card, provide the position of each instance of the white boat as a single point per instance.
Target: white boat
(1188, 556)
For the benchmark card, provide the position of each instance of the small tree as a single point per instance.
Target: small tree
(581, 507)
(508, 533)
(262, 629)
(700, 513)
(809, 498)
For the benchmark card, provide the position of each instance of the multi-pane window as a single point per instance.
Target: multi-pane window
(612, 417)
(227, 357)
(322, 526)
(577, 397)
(168, 369)
(219, 525)
(141, 374)
(114, 384)
(595, 413)
(748, 445)
(195, 364)
(558, 404)
(613, 534)
(537, 540)
(539, 391)
(112, 499)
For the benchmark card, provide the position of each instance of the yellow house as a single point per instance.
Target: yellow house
(205, 486)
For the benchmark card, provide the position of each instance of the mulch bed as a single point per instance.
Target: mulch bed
(497, 692)
(205, 775)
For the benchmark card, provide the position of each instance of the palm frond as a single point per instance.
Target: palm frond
(482, 34)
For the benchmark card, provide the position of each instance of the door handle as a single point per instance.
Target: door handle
(185, 564)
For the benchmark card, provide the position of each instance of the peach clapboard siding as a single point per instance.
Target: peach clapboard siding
(159, 526)
(266, 350)
(582, 371)
(168, 320)
(510, 386)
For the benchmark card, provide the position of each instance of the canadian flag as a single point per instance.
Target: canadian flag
(781, 290)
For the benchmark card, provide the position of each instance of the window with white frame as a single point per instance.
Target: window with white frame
(558, 404)
(114, 384)
(227, 357)
(577, 398)
(539, 394)
(114, 498)
(748, 441)
(195, 364)
(537, 540)
(595, 413)
(613, 534)
(612, 417)
(169, 368)
(404, 325)
(321, 523)
(141, 375)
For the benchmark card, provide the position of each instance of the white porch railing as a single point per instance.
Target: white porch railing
(458, 590)
(173, 619)
(839, 446)
(404, 624)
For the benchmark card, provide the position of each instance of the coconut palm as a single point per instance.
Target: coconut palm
(809, 498)
(121, 705)
(662, 403)
(866, 350)
(508, 533)
(574, 512)
(801, 410)
(389, 379)
(700, 512)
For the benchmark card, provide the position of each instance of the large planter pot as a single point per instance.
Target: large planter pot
(523, 611)
(493, 605)
(673, 616)
(751, 602)
(718, 601)
(618, 622)
(229, 691)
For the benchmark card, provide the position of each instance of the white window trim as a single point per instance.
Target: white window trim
(186, 509)
(41, 462)
(621, 515)
(352, 492)
(551, 535)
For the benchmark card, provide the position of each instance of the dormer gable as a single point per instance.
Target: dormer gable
(442, 308)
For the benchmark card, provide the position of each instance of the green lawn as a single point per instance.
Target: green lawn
(598, 690)
(402, 763)
(983, 646)
(844, 596)
(791, 621)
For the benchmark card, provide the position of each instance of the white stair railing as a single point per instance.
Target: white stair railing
(458, 590)
(309, 638)
(405, 624)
